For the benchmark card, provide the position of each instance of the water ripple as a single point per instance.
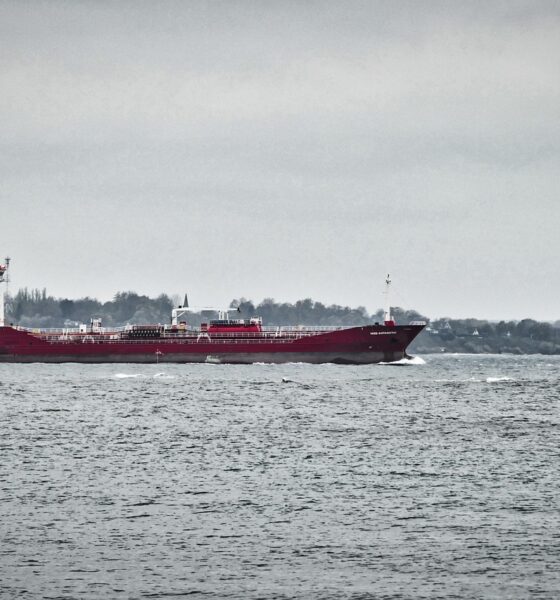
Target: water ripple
(438, 480)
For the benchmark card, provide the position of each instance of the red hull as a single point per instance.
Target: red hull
(367, 344)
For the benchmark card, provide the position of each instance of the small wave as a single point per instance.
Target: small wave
(476, 354)
(475, 380)
(126, 375)
(164, 376)
(302, 385)
(469, 380)
(497, 379)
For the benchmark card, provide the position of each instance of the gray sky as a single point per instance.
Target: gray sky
(285, 149)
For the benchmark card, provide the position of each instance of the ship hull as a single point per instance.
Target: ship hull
(357, 345)
(341, 358)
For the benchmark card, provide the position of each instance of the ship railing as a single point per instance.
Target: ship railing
(269, 329)
(73, 331)
(113, 335)
(303, 328)
(162, 342)
(191, 338)
(75, 335)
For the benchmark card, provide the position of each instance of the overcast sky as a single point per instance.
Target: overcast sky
(285, 149)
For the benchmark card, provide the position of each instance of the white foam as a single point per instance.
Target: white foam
(126, 375)
(413, 360)
(497, 379)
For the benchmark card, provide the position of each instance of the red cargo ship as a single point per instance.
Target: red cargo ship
(225, 340)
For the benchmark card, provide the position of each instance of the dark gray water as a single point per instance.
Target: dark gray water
(435, 480)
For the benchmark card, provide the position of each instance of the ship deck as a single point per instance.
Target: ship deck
(119, 335)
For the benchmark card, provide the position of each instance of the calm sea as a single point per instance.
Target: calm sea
(438, 479)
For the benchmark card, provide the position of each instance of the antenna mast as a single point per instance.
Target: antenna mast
(387, 313)
(4, 278)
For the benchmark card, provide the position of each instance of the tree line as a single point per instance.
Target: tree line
(35, 308)
(479, 336)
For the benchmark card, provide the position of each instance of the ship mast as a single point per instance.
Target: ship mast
(4, 278)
